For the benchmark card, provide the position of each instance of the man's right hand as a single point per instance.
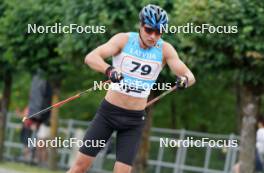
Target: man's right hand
(114, 75)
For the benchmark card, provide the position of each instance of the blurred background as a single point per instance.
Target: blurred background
(225, 103)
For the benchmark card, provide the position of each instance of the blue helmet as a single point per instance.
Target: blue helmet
(153, 16)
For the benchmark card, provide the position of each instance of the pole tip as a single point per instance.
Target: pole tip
(24, 119)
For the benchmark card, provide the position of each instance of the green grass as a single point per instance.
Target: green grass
(23, 168)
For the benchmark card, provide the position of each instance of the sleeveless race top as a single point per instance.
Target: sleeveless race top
(140, 67)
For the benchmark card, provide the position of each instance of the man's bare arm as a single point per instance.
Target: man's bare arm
(95, 59)
(176, 65)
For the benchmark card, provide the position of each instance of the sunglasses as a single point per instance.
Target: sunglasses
(151, 31)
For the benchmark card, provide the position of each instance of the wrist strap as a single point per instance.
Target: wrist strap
(108, 70)
(187, 80)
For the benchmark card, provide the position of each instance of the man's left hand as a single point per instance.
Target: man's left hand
(181, 82)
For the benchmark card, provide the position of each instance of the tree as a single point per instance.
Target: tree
(30, 51)
(240, 53)
(7, 64)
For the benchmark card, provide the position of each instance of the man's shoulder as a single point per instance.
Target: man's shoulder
(121, 38)
(168, 50)
(167, 46)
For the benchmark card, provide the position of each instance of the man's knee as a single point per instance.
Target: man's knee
(82, 164)
(122, 167)
(79, 167)
(76, 169)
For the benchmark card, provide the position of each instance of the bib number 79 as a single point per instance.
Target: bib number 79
(145, 69)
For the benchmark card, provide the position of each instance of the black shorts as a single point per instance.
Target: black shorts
(25, 134)
(128, 124)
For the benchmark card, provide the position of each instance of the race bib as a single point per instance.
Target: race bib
(139, 69)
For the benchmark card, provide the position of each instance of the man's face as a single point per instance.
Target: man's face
(148, 35)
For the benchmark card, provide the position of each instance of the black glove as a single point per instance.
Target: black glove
(181, 82)
(113, 74)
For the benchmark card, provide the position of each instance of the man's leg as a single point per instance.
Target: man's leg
(99, 130)
(82, 163)
(122, 168)
(127, 147)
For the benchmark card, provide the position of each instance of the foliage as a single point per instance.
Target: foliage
(29, 51)
(240, 52)
(214, 58)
